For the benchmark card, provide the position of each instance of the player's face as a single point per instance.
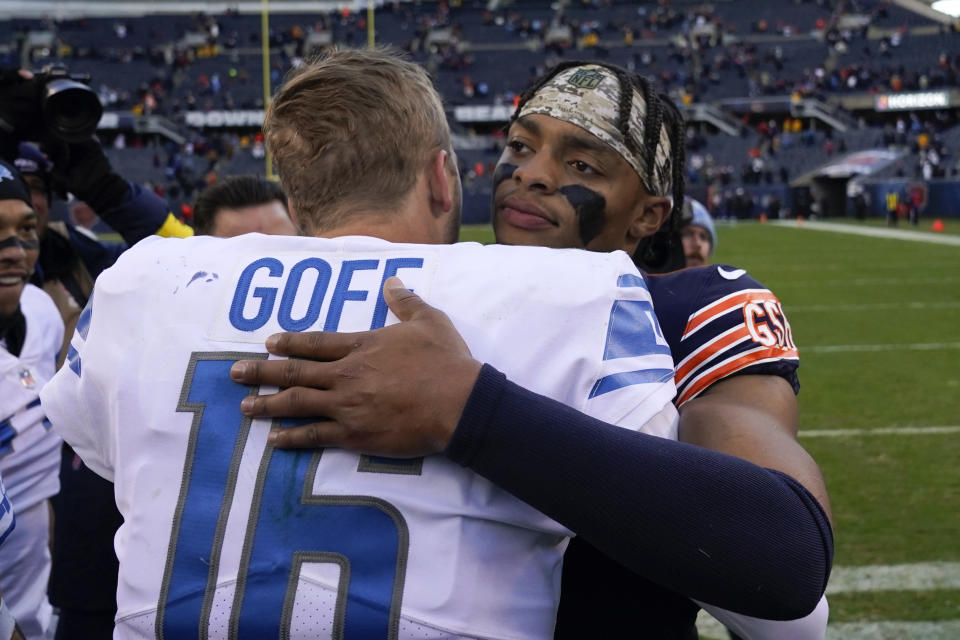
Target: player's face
(556, 185)
(19, 248)
(270, 218)
(696, 245)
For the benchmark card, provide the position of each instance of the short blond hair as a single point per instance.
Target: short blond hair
(350, 131)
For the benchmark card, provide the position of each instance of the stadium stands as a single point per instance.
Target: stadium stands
(829, 51)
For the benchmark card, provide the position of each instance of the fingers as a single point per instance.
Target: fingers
(292, 372)
(315, 345)
(295, 402)
(310, 436)
(404, 303)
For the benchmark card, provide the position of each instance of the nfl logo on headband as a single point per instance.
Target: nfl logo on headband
(586, 79)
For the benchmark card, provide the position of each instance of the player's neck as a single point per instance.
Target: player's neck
(391, 232)
(413, 220)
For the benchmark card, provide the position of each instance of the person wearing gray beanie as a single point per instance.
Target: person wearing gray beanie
(699, 236)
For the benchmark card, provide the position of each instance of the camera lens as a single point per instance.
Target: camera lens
(71, 110)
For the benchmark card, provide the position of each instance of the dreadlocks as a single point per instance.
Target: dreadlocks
(663, 251)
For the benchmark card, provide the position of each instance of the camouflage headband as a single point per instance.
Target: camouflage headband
(588, 96)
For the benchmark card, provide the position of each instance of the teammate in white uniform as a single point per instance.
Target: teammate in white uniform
(30, 336)
(225, 535)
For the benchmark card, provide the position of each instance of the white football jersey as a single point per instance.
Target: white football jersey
(29, 449)
(224, 534)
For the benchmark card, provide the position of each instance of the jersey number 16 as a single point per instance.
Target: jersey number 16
(287, 526)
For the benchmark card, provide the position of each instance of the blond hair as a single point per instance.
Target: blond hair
(350, 131)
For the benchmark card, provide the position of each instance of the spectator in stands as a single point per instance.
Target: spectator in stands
(30, 335)
(699, 236)
(242, 204)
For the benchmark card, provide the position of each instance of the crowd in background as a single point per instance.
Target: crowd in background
(202, 62)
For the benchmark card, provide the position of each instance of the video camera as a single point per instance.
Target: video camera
(52, 103)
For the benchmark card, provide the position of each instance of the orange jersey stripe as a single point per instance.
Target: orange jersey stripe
(725, 305)
(709, 350)
(741, 361)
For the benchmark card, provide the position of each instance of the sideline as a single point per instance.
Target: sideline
(872, 306)
(922, 576)
(875, 232)
(864, 348)
(880, 431)
(710, 629)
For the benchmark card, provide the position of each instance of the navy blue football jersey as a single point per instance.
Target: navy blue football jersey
(718, 322)
(721, 322)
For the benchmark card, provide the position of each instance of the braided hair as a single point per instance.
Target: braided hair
(659, 252)
(663, 251)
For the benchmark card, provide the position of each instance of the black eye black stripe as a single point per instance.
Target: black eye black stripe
(14, 241)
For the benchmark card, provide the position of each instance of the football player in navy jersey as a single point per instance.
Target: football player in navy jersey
(594, 160)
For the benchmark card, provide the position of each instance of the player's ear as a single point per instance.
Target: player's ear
(650, 214)
(438, 182)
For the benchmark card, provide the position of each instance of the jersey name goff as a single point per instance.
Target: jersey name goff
(313, 293)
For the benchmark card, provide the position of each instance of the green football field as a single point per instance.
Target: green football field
(877, 322)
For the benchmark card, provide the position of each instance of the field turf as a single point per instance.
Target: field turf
(877, 322)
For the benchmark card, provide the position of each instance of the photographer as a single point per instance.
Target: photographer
(35, 107)
(61, 114)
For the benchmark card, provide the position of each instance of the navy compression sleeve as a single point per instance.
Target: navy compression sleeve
(705, 524)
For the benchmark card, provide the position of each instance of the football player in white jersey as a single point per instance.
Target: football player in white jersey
(30, 334)
(226, 537)
(569, 178)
